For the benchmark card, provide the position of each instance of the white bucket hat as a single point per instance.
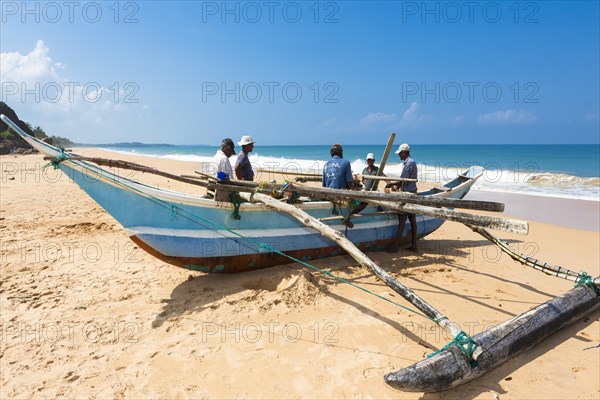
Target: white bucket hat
(403, 147)
(370, 156)
(246, 140)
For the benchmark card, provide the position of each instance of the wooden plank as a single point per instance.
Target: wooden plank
(308, 179)
(203, 175)
(501, 343)
(484, 221)
(404, 197)
(388, 178)
(373, 214)
(351, 249)
(292, 173)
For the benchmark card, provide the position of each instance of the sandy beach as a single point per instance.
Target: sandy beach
(85, 313)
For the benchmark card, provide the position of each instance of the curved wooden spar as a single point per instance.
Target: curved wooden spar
(359, 256)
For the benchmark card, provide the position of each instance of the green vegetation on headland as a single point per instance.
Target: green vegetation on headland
(10, 141)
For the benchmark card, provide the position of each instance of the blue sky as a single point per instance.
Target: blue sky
(305, 72)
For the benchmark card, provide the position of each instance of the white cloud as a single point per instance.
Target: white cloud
(35, 66)
(459, 119)
(330, 122)
(378, 121)
(412, 118)
(34, 84)
(510, 116)
(373, 118)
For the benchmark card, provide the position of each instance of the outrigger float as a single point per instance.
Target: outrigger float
(256, 230)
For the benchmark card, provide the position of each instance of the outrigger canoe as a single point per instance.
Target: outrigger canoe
(203, 234)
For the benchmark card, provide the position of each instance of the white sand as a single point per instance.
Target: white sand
(86, 314)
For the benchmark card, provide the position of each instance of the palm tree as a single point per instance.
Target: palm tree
(38, 132)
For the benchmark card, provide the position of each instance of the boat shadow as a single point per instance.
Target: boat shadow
(199, 293)
(210, 291)
(446, 251)
(492, 381)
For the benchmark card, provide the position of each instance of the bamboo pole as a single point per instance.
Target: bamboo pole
(365, 261)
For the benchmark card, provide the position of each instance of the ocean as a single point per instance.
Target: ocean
(567, 171)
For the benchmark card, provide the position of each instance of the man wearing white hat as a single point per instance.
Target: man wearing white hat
(243, 168)
(370, 169)
(409, 171)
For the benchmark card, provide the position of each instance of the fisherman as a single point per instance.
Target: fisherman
(243, 168)
(337, 173)
(409, 171)
(221, 168)
(372, 170)
(221, 158)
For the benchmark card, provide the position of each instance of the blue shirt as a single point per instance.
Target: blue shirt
(337, 174)
(409, 170)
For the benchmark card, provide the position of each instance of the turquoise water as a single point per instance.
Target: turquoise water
(571, 171)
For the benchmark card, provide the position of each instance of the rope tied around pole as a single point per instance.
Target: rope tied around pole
(465, 343)
(235, 200)
(56, 162)
(586, 279)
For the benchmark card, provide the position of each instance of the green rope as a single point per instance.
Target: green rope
(465, 343)
(353, 203)
(56, 162)
(235, 199)
(294, 198)
(265, 246)
(586, 279)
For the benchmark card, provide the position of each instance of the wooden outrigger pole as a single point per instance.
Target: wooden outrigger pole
(465, 358)
(365, 261)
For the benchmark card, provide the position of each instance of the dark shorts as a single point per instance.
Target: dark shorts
(402, 216)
